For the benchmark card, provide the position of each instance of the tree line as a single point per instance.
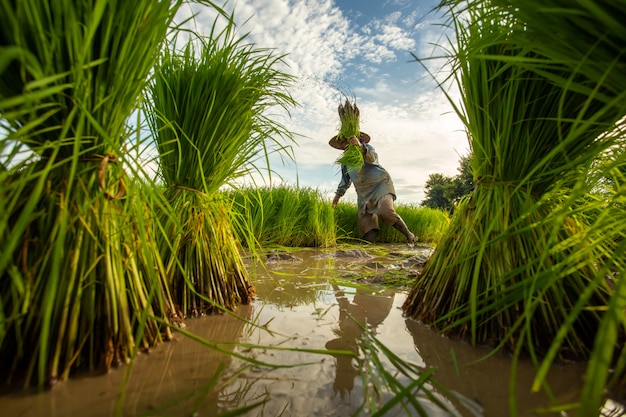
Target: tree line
(444, 192)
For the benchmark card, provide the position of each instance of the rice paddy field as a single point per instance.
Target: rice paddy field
(312, 343)
(123, 293)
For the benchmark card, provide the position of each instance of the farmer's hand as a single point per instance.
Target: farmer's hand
(336, 200)
(353, 140)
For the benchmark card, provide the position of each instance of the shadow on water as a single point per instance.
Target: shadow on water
(312, 304)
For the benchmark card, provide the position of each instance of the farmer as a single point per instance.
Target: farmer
(374, 189)
(366, 310)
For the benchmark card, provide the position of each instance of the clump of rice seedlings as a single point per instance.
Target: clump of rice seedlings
(208, 116)
(252, 211)
(515, 263)
(287, 219)
(301, 218)
(346, 216)
(428, 224)
(349, 117)
(202, 258)
(586, 37)
(284, 216)
(80, 278)
(320, 221)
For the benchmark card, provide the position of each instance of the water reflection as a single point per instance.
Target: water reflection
(176, 378)
(286, 281)
(365, 309)
(302, 310)
(467, 371)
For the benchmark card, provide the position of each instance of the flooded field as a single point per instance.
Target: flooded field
(291, 357)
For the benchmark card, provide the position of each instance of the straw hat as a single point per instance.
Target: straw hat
(335, 143)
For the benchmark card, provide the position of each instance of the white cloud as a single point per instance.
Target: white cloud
(409, 119)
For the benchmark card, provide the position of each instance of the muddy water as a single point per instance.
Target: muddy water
(308, 306)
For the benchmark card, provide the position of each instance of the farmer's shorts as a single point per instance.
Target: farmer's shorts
(382, 210)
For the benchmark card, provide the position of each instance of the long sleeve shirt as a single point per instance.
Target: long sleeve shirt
(371, 182)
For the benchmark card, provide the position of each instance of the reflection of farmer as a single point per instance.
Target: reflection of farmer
(365, 309)
(374, 189)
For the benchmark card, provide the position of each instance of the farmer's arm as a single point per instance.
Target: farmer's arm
(343, 186)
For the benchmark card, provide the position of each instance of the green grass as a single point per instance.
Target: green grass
(301, 217)
(284, 216)
(426, 223)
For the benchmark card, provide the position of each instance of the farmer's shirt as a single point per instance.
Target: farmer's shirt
(371, 182)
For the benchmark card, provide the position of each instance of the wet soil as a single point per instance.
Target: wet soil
(282, 355)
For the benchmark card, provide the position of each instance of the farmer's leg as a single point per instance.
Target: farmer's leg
(401, 226)
(368, 227)
(388, 214)
(370, 236)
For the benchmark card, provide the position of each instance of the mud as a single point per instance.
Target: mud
(280, 356)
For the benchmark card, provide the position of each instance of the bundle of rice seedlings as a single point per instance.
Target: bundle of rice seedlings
(587, 37)
(252, 211)
(516, 262)
(349, 117)
(208, 116)
(81, 283)
(284, 216)
(202, 256)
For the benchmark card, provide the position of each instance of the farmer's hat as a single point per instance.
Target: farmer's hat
(342, 145)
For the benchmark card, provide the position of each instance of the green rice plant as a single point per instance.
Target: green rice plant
(287, 218)
(587, 37)
(428, 224)
(310, 216)
(202, 257)
(81, 277)
(349, 116)
(589, 42)
(252, 213)
(392, 385)
(346, 216)
(320, 221)
(209, 118)
(284, 216)
(515, 263)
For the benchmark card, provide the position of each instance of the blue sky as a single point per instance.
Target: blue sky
(362, 49)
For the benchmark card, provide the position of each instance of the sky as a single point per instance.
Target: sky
(363, 50)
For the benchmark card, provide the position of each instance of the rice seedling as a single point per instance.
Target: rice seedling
(284, 216)
(346, 215)
(319, 221)
(515, 263)
(427, 223)
(587, 38)
(349, 116)
(251, 215)
(392, 385)
(81, 280)
(208, 115)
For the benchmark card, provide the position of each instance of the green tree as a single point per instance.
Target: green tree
(444, 192)
(439, 192)
(464, 181)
